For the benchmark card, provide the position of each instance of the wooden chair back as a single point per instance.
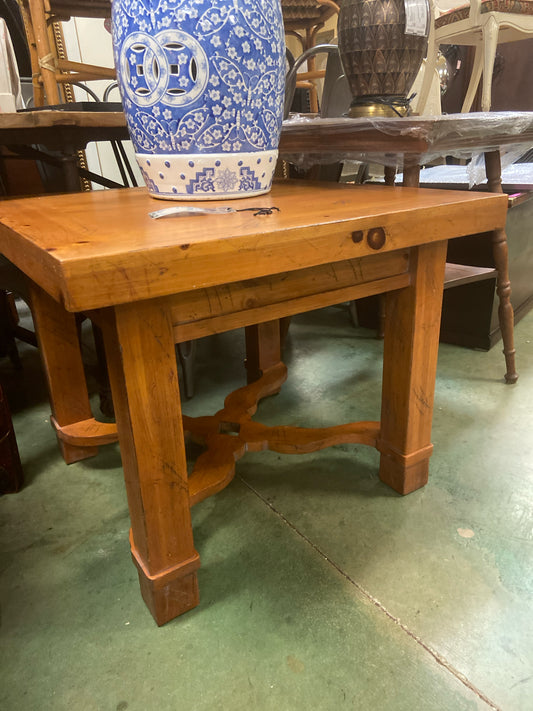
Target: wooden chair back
(51, 70)
(483, 24)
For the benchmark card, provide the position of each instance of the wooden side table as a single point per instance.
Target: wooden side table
(151, 283)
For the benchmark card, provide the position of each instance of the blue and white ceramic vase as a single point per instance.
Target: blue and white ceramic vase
(202, 85)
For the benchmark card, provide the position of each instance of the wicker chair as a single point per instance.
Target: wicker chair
(303, 19)
(51, 71)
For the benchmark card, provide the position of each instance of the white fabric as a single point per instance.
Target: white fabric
(10, 91)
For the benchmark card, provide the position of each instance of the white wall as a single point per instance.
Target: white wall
(87, 40)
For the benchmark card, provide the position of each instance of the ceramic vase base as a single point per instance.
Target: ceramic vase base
(208, 176)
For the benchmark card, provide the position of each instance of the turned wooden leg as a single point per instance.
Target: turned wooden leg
(57, 335)
(263, 348)
(503, 283)
(144, 381)
(409, 369)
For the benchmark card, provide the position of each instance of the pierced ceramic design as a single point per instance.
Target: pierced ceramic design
(202, 84)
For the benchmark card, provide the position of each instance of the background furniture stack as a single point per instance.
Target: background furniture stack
(51, 70)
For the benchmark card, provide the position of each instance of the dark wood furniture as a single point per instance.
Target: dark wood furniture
(11, 474)
(65, 133)
(151, 283)
(470, 313)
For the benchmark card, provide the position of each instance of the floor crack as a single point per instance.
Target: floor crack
(433, 653)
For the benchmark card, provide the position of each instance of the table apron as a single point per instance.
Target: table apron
(221, 308)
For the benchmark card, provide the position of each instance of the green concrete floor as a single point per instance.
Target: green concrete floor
(320, 587)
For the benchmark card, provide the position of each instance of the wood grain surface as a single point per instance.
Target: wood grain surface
(102, 248)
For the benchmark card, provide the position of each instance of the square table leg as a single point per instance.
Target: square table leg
(144, 382)
(263, 348)
(411, 345)
(57, 335)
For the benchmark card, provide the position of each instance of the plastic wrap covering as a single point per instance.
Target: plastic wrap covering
(398, 142)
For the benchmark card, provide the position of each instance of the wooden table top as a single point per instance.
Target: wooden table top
(434, 135)
(424, 136)
(62, 129)
(96, 249)
(45, 118)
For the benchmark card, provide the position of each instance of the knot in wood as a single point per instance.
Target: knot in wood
(376, 238)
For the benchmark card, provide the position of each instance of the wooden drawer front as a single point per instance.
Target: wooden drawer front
(242, 303)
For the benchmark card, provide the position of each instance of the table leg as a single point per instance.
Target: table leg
(411, 172)
(503, 283)
(69, 166)
(390, 175)
(59, 345)
(144, 381)
(263, 348)
(409, 369)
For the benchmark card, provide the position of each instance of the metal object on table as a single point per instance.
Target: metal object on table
(443, 70)
(188, 210)
(303, 20)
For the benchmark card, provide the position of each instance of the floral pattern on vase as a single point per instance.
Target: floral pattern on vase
(202, 85)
